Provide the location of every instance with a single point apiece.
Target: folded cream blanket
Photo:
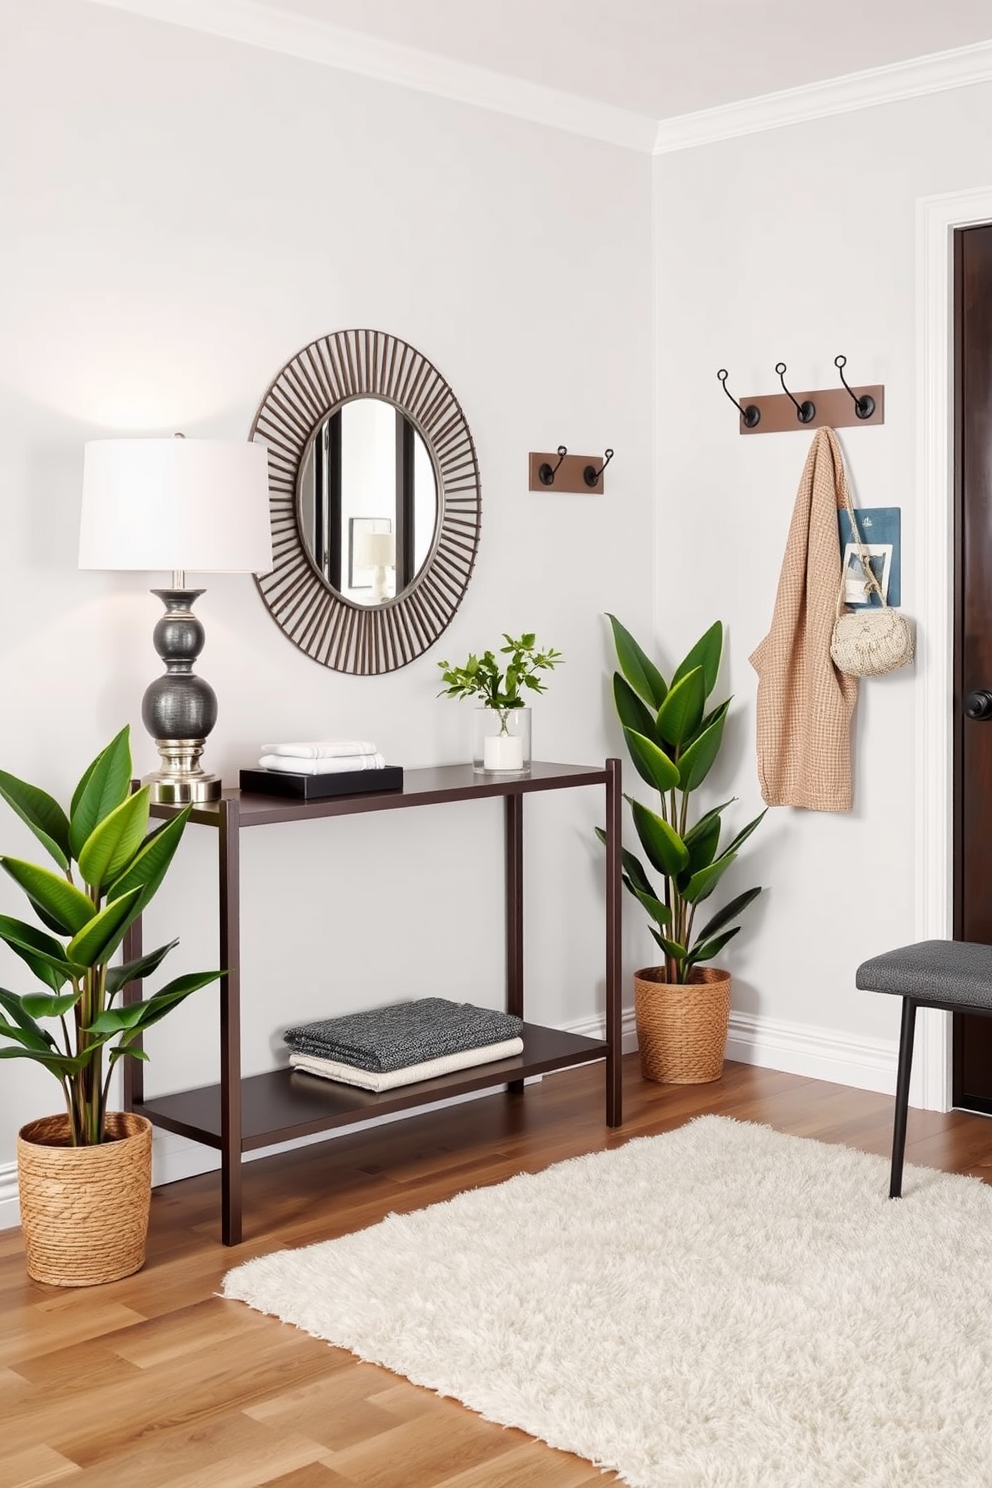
(428, 1069)
(322, 748)
(340, 766)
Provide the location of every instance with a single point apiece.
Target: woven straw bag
(869, 642)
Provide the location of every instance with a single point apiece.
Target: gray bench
(953, 975)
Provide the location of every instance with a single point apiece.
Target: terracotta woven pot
(84, 1210)
(682, 1027)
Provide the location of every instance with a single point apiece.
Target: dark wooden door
(972, 1040)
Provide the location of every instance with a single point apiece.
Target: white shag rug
(719, 1307)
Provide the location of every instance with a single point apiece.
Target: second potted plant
(682, 1005)
(501, 738)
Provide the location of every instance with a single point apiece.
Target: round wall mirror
(375, 501)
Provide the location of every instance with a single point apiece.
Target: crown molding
(257, 24)
(858, 90)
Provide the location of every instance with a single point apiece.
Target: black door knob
(978, 704)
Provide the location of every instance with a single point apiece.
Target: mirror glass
(368, 503)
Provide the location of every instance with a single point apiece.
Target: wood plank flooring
(158, 1382)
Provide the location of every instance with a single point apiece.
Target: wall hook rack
(547, 472)
(833, 408)
(864, 406)
(571, 475)
(750, 413)
(591, 475)
(805, 411)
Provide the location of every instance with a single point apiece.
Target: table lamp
(179, 504)
(377, 551)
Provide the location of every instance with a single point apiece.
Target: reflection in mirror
(368, 503)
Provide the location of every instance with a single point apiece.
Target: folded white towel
(340, 766)
(322, 749)
(347, 1074)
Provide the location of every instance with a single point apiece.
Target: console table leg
(614, 1010)
(230, 1023)
(513, 840)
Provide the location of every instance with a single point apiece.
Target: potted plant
(681, 1006)
(502, 732)
(84, 1175)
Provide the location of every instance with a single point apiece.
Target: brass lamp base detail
(181, 781)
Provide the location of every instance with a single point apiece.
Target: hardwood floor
(158, 1382)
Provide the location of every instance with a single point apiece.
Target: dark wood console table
(239, 1115)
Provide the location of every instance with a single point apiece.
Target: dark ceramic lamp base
(179, 709)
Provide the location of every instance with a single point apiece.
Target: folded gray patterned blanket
(405, 1033)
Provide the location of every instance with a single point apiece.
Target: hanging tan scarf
(804, 703)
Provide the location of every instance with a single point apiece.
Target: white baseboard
(797, 1049)
(818, 1053)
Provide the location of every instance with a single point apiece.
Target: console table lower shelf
(286, 1103)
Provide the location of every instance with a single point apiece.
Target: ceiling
(663, 58)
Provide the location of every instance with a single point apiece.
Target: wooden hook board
(834, 410)
(570, 475)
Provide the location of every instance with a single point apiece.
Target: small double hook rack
(834, 410)
(577, 468)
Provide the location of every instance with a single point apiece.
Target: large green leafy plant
(673, 739)
(108, 867)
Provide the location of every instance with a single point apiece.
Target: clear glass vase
(501, 741)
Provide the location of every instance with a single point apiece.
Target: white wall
(798, 245)
(180, 215)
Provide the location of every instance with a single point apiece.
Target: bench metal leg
(902, 1095)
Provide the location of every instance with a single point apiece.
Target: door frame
(938, 218)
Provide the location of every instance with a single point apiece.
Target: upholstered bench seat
(955, 975)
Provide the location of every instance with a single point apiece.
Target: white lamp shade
(180, 504)
(376, 550)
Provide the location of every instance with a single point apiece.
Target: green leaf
(62, 1066)
(137, 1016)
(633, 869)
(150, 863)
(132, 971)
(631, 711)
(98, 940)
(729, 912)
(711, 948)
(651, 763)
(642, 674)
(658, 911)
(42, 814)
(702, 842)
(115, 840)
(67, 908)
(745, 832)
(40, 1006)
(665, 849)
(104, 785)
(25, 1030)
(696, 762)
(706, 653)
(680, 714)
(45, 955)
(672, 948)
(702, 884)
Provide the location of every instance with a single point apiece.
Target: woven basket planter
(682, 1028)
(84, 1210)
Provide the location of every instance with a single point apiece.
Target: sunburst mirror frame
(334, 631)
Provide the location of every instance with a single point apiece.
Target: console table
(240, 1115)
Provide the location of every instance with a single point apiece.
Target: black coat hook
(751, 414)
(864, 406)
(591, 475)
(546, 474)
(806, 411)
